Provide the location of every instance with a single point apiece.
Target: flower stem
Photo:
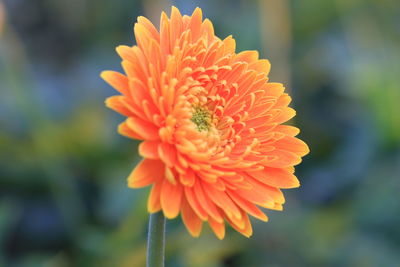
(156, 240)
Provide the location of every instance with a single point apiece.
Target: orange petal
(150, 27)
(206, 202)
(282, 159)
(177, 25)
(247, 56)
(275, 193)
(221, 199)
(170, 175)
(124, 130)
(285, 115)
(194, 203)
(255, 195)
(287, 129)
(274, 89)
(188, 178)
(272, 192)
(134, 62)
(142, 35)
(217, 227)
(117, 80)
(276, 177)
(116, 103)
(292, 144)
(261, 65)
(126, 53)
(164, 34)
(138, 91)
(275, 206)
(145, 173)
(239, 223)
(283, 101)
(192, 222)
(247, 230)
(195, 23)
(171, 196)
(153, 202)
(144, 128)
(208, 30)
(229, 45)
(167, 154)
(149, 149)
(247, 206)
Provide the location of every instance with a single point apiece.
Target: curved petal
(149, 149)
(171, 196)
(192, 222)
(145, 173)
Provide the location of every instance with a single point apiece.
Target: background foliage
(63, 194)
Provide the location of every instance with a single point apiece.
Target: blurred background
(63, 167)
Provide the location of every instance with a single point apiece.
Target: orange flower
(213, 142)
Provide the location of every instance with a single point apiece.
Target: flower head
(213, 143)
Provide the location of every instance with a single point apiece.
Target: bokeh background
(63, 167)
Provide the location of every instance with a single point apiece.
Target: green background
(63, 167)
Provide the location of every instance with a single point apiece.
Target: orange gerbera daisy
(213, 143)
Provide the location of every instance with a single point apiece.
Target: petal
(247, 56)
(247, 206)
(207, 204)
(138, 91)
(282, 159)
(276, 177)
(261, 65)
(192, 222)
(167, 154)
(164, 34)
(117, 80)
(217, 227)
(188, 178)
(273, 193)
(176, 26)
(274, 89)
(124, 130)
(195, 23)
(222, 200)
(229, 45)
(150, 27)
(149, 149)
(194, 203)
(247, 230)
(283, 101)
(287, 129)
(142, 35)
(126, 53)
(145, 173)
(153, 202)
(237, 222)
(117, 104)
(207, 29)
(144, 128)
(171, 196)
(255, 195)
(292, 144)
(285, 115)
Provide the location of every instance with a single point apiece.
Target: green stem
(156, 240)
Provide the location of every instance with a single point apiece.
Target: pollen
(202, 118)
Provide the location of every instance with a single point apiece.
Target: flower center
(202, 118)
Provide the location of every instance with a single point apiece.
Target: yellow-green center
(202, 118)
